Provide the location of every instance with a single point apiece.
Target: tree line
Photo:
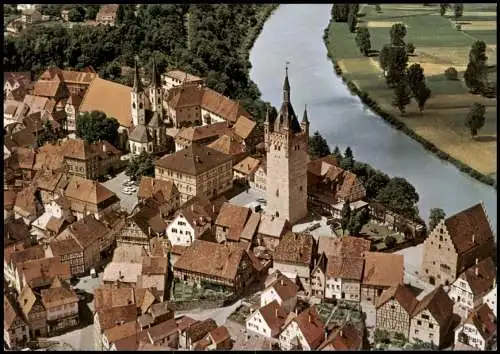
(214, 50)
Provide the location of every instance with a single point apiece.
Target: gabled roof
(244, 127)
(11, 312)
(346, 338)
(468, 225)
(295, 248)
(40, 271)
(251, 227)
(284, 287)
(272, 226)
(346, 268)
(383, 269)
(247, 165)
(198, 330)
(26, 201)
(311, 327)
(438, 304)
(402, 294)
(27, 299)
(481, 277)
(211, 259)
(102, 95)
(193, 160)
(107, 298)
(228, 145)
(196, 133)
(232, 215)
(274, 315)
(345, 247)
(140, 134)
(87, 230)
(149, 187)
(484, 320)
(148, 218)
(88, 191)
(58, 294)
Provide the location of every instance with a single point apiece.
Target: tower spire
(137, 80)
(286, 85)
(305, 118)
(154, 78)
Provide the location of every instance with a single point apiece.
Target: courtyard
(127, 202)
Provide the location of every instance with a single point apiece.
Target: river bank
(365, 85)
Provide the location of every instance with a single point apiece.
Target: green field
(439, 45)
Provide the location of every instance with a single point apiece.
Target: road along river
(294, 33)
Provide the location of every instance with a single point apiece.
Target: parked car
(93, 273)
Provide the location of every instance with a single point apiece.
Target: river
(294, 33)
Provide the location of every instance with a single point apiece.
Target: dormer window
(277, 192)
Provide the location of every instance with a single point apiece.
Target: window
(431, 325)
(300, 188)
(416, 331)
(440, 238)
(277, 192)
(174, 231)
(425, 317)
(393, 307)
(419, 322)
(439, 246)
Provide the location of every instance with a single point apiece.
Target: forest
(207, 40)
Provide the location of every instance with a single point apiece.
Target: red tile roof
(438, 304)
(311, 327)
(402, 294)
(468, 225)
(383, 269)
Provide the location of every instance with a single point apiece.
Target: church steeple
(286, 87)
(137, 80)
(154, 79)
(305, 118)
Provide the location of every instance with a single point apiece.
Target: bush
(381, 336)
(390, 241)
(451, 73)
(410, 48)
(378, 8)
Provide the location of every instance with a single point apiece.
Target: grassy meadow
(439, 45)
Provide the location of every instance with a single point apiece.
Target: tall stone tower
(286, 143)
(138, 100)
(156, 92)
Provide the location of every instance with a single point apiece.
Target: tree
(396, 60)
(363, 40)
(96, 126)
(410, 48)
(443, 8)
(384, 57)
(358, 220)
(318, 146)
(347, 163)
(352, 18)
(47, 135)
(415, 74)
(401, 95)
(140, 165)
(375, 184)
(436, 215)
(346, 216)
(381, 336)
(390, 241)
(76, 14)
(475, 118)
(399, 196)
(458, 10)
(337, 154)
(478, 52)
(397, 34)
(340, 12)
(348, 152)
(422, 94)
(472, 77)
(451, 73)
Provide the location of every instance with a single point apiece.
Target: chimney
(276, 312)
(341, 333)
(476, 270)
(192, 207)
(309, 317)
(473, 238)
(149, 230)
(477, 261)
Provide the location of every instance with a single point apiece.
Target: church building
(286, 143)
(148, 131)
